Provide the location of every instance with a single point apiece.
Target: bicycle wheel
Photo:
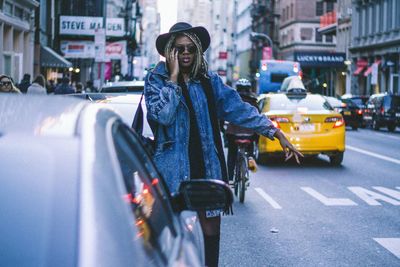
(244, 175)
(236, 177)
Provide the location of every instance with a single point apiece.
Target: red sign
(223, 55)
(266, 52)
(362, 62)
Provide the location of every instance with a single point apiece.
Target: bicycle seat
(242, 141)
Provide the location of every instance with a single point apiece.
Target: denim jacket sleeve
(162, 98)
(231, 108)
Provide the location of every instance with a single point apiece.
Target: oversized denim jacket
(167, 110)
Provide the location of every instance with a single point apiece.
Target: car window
(298, 103)
(146, 193)
(391, 102)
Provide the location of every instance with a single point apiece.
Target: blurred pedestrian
(25, 83)
(7, 85)
(90, 87)
(79, 88)
(184, 103)
(51, 86)
(38, 86)
(64, 87)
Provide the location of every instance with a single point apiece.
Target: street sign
(223, 55)
(100, 45)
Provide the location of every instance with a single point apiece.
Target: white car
(78, 189)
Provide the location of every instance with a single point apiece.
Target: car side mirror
(201, 195)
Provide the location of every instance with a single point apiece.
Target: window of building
(1, 4)
(329, 38)
(381, 14)
(318, 36)
(306, 34)
(319, 9)
(19, 12)
(329, 6)
(8, 8)
(397, 14)
(366, 21)
(287, 12)
(283, 14)
(291, 10)
(389, 14)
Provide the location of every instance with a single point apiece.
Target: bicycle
(241, 177)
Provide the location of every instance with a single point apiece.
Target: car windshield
(293, 103)
(359, 101)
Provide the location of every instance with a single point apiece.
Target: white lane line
(268, 198)
(372, 154)
(328, 201)
(391, 244)
(387, 135)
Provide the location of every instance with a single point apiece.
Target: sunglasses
(181, 48)
(5, 83)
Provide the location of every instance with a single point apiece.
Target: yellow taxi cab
(308, 121)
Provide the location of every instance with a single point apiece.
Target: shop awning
(369, 70)
(49, 58)
(358, 70)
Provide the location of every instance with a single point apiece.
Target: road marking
(390, 192)
(371, 197)
(328, 201)
(372, 154)
(391, 244)
(268, 198)
(388, 135)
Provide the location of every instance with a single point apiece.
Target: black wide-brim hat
(179, 27)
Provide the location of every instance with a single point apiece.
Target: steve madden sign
(73, 25)
(320, 59)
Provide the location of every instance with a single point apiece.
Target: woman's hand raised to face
(173, 65)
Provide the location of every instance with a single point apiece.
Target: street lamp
(259, 35)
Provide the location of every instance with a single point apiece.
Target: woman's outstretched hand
(287, 147)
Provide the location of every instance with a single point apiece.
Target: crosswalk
(391, 244)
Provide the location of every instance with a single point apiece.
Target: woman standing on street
(38, 86)
(7, 85)
(185, 102)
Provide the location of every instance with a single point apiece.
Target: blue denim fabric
(166, 106)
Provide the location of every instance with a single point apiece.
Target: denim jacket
(169, 115)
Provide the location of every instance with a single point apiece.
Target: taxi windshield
(309, 102)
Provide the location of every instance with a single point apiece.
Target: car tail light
(359, 112)
(382, 110)
(276, 120)
(338, 121)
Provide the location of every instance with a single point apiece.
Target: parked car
(308, 121)
(78, 189)
(123, 87)
(351, 113)
(361, 102)
(383, 110)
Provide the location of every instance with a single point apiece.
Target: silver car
(78, 189)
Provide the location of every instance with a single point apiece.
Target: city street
(318, 215)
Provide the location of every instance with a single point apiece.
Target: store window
(318, 36)
(306, 34)
(8, 8)
(319, 9)
(329, 6)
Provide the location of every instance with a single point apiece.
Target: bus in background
(273, 72)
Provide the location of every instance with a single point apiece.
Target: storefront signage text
(74, 25)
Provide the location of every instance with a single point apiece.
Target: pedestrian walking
(25, 83)
(7, 85)
(38, 86)
(64, 87)
(184, 103)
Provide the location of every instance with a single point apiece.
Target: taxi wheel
(336, 159)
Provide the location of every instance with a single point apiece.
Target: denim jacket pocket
(163, 146)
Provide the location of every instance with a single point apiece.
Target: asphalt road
(318, 215)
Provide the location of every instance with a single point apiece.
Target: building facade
(151, 29)
(242, 30)
(17, 37)
(375, 46)
(301, 40)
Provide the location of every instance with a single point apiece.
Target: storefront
(78, 46)
(323, 72)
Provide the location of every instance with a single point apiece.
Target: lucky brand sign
(76, 25)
